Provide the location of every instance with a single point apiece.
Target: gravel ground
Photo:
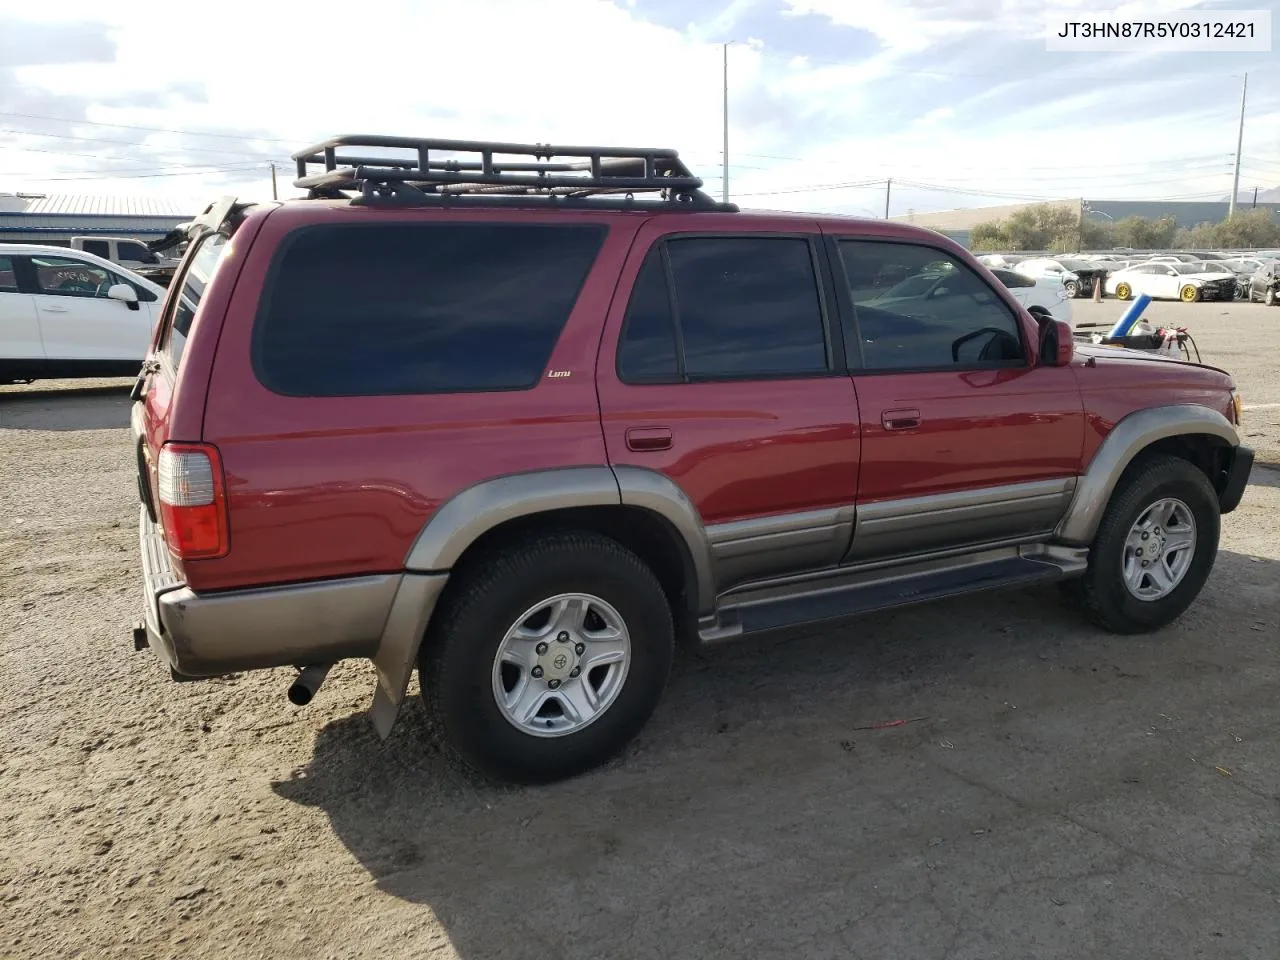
(1060, 793)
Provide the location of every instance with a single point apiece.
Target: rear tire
(1116, 592)
(489, 658)
(1072, 287)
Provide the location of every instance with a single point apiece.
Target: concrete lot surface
(1060, 793)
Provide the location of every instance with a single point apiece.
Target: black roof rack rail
(438, 171)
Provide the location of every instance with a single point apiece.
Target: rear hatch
(170, 391)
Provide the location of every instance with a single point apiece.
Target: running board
(844, 594)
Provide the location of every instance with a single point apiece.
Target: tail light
(193, 500)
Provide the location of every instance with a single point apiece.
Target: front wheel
(548, 659)
(1072, 287)
(1270, 299)
(1190, 293)
(1154, 550)
(1123, 291)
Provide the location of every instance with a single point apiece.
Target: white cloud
(592, 71)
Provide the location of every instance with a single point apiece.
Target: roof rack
(439, 171)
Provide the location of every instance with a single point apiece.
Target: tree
(1141, 233)
(1201, 236)
(989, 237)
(1252, 228)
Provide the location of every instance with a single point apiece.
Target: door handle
(55, 309)
(649, 438)
(907, 419)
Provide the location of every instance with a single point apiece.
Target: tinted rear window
(418, 308)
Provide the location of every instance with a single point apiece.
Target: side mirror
(1057, 343)
(125, 294)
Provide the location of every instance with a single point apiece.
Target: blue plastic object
(1126, 322)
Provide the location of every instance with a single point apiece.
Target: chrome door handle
(649, 438)
(907, 419)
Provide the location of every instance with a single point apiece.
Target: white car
(1171, 281)
(1047, 293)
(67, 313)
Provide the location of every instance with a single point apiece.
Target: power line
(40, 178)
(129, 126)
(126, 143)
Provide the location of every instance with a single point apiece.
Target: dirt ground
(1061, 793)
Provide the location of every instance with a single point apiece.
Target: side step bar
(844, 594)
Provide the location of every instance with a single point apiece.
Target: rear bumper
(211, 634)
(1237, 479)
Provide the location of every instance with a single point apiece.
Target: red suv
(523, 416)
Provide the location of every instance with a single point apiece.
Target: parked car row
(1185, 276)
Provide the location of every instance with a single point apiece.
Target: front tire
(1270, 299)
(1123, 291)
(1154, 549)
(549, 658)
(1189, 293)
(1072, 287)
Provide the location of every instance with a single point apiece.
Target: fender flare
(473, 512)
(1133, 434)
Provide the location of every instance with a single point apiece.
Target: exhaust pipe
(306, 683)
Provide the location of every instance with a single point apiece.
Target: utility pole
(274, 194)
(888, 185)
(1235, 180)
(1255, 199)
(724, 173)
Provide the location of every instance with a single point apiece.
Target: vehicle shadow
(764, 812)
(76, 408)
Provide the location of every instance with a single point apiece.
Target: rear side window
(99, 248)
(8, 279)
(200, 268)
(744, 308)
(418, 308)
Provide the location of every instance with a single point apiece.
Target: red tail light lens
(193, 500)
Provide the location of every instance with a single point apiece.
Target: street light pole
(724, 172)
(1235, 180)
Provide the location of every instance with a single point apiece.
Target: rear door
(722, 368)
(19, 321)
(78, 321)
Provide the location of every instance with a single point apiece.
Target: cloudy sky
(956, 100)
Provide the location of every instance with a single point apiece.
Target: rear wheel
(1189, 293)
(1154, 550)
(550, 658)
(1072, 287)
(1123, 291)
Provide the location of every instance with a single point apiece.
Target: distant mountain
(1269, 195)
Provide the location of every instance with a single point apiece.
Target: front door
(721, 368)
(964, 441)
(78, 321)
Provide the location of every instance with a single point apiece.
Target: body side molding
(1125, 441)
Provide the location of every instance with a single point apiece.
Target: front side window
(367, 310)
(134, 251)
(68, 277)
(959, 322)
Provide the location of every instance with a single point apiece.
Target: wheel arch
(1191, 431)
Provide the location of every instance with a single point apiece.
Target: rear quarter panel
(340, 486)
